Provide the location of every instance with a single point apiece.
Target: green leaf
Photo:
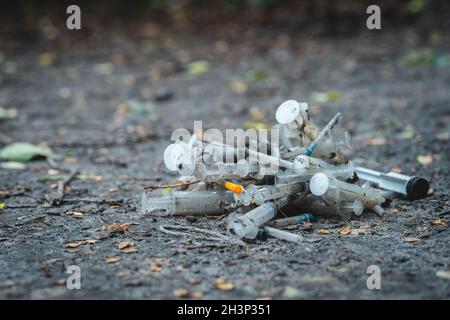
(7, 113)
(292, 293)
(324, 97)
(256, 75)
(23, 151)
(136, 106)
(198, 67)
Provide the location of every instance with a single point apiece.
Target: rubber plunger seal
(417, 187)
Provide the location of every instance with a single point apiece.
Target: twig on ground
(56, 198)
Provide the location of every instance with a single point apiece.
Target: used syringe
(306, 217)
(322, 134)
(185, 202)
(414, 187)
(332, 189)
(258, 195)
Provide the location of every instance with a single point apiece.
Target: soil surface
(75, 93)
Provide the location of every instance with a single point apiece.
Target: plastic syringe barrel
(322, 134)
(414, 187)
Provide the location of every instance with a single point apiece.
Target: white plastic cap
(287, 111)
(319, 184)
(174, 154)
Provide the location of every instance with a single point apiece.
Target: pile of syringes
(306, 168)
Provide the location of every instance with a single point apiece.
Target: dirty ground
(107, 100)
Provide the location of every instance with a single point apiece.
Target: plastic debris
(251, 182)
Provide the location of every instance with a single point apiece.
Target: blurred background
(107, 97)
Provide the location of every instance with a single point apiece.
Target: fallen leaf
(198, 67)
(74, 245)
(430, 191)
(439, 222)
(397, 170)
(292, 293)
(130, 250)
(78, 215)
(239, 86)
(111, 260)
(443, 274)
(422, 229)
(256, 125)
(411, 240)
(425, 160)
(12, 165)
(89, 176)
(256, 113)
(223, 285)
(323, 97)
(124, 245)
(116, 227)
(197, 294)
(158, 263)
(256, 75)
(323, 231)
(7, 113)
(23, 151)
(379, 141)
(52, 172)
(180, 293)
(345, 230)
(135, 106)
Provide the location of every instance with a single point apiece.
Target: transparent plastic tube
(323, 134)
(334, 191)
(283, 235)
(333, 144)
(306, 217)
(247, 225)
(258, 195)
(341, 172)
(185, 202)
(414, 187)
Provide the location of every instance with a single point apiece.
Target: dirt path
(71, 94)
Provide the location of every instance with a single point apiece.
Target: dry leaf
(443, 274)
(256, 114)
(180, 293)
(430, 191)
(375, 141)
(395, 210)
(158, 263)
(223, 285)
(397, 170)
(439, 222)
(411, 240)
(345, 230)
(425, 160)
(78, 215)
(52, 172)
(323, 231)
(197, 294)
(422, 229)
(111, 260)
(124, 245)
(130, 250)
(115, 227)
(74, 245)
